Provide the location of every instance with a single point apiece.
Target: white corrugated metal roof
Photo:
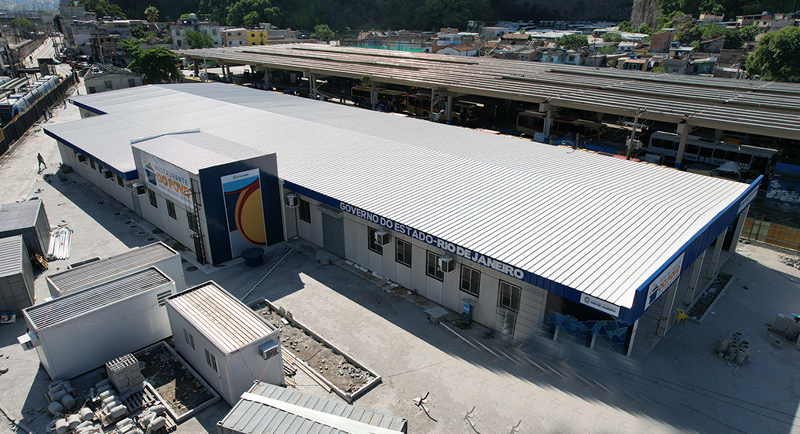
(221, 318)
(270, 409)
(600, 225)
(11, 255)
(19, 215)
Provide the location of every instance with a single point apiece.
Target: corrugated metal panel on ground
(78, 303)
(599, 225)
(250, 417)
(11, 255)
(224, 320)
(68, 280)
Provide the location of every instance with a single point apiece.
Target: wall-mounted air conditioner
(446, 264)
(267, 350)
(28, 341)
(108, 174)
(292, 201)
(381, 238)
(139, 189)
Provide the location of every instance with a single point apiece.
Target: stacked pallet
(124, 373)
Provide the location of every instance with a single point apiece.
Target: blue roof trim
(692, 249)
(130, 175)
(87, 107)
(700, 241)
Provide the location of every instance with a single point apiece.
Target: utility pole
(634, 126)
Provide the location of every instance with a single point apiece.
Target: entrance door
(333, 234)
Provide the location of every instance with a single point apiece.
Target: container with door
(16, 276)
(28, 219)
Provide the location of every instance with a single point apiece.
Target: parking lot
(475, 384)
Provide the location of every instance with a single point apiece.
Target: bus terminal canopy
(570, 222)
(754, 107)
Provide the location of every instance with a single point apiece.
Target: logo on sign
(663, 281)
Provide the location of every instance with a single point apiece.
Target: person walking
(41, 161)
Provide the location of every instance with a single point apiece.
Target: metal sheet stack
(124, 373)
(59, 243)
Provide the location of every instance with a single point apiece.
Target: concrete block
(781, 323)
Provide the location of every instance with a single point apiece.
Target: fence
(20, 124)
(772, 233)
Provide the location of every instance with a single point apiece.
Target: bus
(462, 113)
(698, 149)
(388, 100)
(531, 122)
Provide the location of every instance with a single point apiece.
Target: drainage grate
(151, 239)
(128, 222)
(134, 226)
(117, 213)
(141, 233)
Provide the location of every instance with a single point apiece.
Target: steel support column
(738, 231)
(712, 267)
(683, 130)
(694, 279)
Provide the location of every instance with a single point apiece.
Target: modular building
(29, 219)
(16, 276)
(224, 340)
(82, 330)
(529, 238)
(267, 409)
(158, 255)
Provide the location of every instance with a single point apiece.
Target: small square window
(120, 181)
(432, 266)
(509, 296)
(470, 280)
(189, 338)
(305, 211)
(131, 82)
(375, 247)
(152, 196)
(91, 164)
(403, 252)
(100, 168)
(171, 209)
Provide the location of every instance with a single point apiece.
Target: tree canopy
(23, 24)
(103, 9)
(775, 57)
(323, 32)
(156, 65)
(152, 13)
(573, 41)
(199, 39)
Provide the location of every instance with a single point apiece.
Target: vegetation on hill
(354, 15)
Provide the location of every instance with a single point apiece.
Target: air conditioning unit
(81, 158)
(636, 144)
(292, 201)
(267, 350)
(108, 174)
(654, 158)
(28, 341)
(139, 188)
(381, 238)
(446, 264)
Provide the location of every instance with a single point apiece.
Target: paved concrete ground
(681, 386)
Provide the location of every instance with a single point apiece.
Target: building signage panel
(433, 241)
(601, 305)
(747, 200)
(663, 281)
(167, 178)
(243, 210)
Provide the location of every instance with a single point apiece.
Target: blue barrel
(253, 257)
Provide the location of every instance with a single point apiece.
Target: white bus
(749, 158)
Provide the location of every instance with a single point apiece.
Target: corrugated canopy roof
(222, 319)
(756, 107)
(599, 225)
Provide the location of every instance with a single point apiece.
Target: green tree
(644, 28)
(625, 26)
(573, 41)
(57, 23)
(252, 11)
(141, 32)
(775, 57)
(612, 37)
(23, 24)
(608, 49)
(96, 6)
(114, 11)
(199, 39)
(156, 65)
(252, 20)
(658, 70)
(152, 13)
(323, 32)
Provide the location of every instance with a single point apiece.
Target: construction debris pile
(790, 261)
(733, 349)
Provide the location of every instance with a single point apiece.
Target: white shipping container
(82, 330)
